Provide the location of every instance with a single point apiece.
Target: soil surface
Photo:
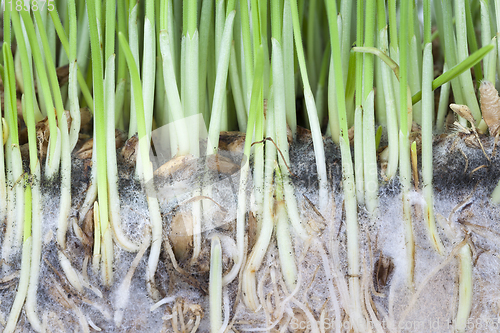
(463, 181)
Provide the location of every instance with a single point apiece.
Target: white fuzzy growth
(123, 291)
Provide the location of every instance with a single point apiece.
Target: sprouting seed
(490, 106)
(464, 112)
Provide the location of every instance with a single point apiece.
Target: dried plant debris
(490, 106)
(464, 112)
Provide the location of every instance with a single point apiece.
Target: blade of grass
(471, 37)
(404, 146)
(468, 90)
(15, 212)
(255, 258)
(358, 112)
(312, 113)
(220, 86)
(443, 107)
(64, 42)
(100, 138)
(147, 172)
(74, 105)
(52, 165)
(390, 100)
(242, 189)
(289, 69)
(348, 174)
(427, 154)
(455, 71)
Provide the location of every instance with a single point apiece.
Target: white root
(93, 325)
(225, 323)
(263, 301)
(309, 315)
(258, 252)
(284, 306)
(197, 218)
(22, 289)
(352, 230)
(165, 300)
(123, 291)
(240, 222)
(422, 285)
(330, 277)
(277, 301)
(196, 324)
(368, 303)
(65, 204)
(465, 289)
(215, 288)
(96, 257)
(285, 248)
(155, 218)
(78, 312)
